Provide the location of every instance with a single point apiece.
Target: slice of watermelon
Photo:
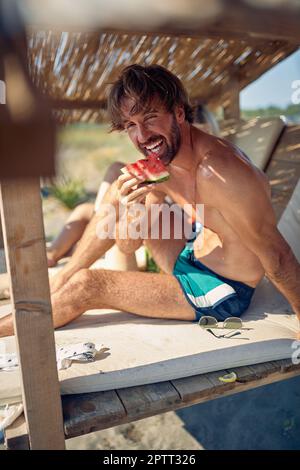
(150, 168)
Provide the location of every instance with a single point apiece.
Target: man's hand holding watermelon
(140, 183)
(141, 178)
(133, 190)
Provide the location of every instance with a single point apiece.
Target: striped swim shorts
(208, 292)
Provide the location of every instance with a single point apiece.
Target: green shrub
(69, 192)
(151, 265)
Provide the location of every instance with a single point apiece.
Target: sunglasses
(231, 323)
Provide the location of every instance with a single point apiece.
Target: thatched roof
(215, 47)
(71, 66)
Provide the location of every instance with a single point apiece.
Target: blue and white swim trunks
(207, 292)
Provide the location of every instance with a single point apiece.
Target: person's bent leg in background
(73, 229)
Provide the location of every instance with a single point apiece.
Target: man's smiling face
(152, 130)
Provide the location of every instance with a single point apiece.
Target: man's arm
(141, 219)
(245, 204)
(125, 243)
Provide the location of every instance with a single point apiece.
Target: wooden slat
(78, 104)
(91, 411)
(244, 374)
(283, 175)
(283, 169)
(286, 365)
(201, 388)
(256, 19)
(289, 145)
(273, 367)
(220, 386)
(192, 388)
(1, 237)
(16, 435)
(94, 411)
(24, 239)
(280, 199)
(148, 400)
(232, 104)
(264, 369)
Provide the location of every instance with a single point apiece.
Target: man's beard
(171, 148)
(175, 139)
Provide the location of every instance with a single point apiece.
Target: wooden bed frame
(90, 412)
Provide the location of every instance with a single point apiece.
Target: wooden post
(24, 241)
(1, 237)
(239, 19)
(2, 102)
(231, 92)
(232, 105)
(24, 139)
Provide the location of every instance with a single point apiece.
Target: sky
(274, 87)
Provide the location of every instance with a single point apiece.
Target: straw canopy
(75, 68)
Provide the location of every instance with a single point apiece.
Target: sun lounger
(275, 149)
(149, 366)
(257, 138)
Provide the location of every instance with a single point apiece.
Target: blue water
(263, 418)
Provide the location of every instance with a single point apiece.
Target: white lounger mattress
(137, 350)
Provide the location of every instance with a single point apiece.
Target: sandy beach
(162, 432)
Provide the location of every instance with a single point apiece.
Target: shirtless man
(241, 240)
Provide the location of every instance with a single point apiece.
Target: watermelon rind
(139, 167)
(157, 180)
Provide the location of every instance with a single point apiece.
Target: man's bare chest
(186, 194)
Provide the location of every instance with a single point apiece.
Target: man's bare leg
(126, 291)
(145, 294)
(129, 291)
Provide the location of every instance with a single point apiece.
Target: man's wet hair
(143, 84)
